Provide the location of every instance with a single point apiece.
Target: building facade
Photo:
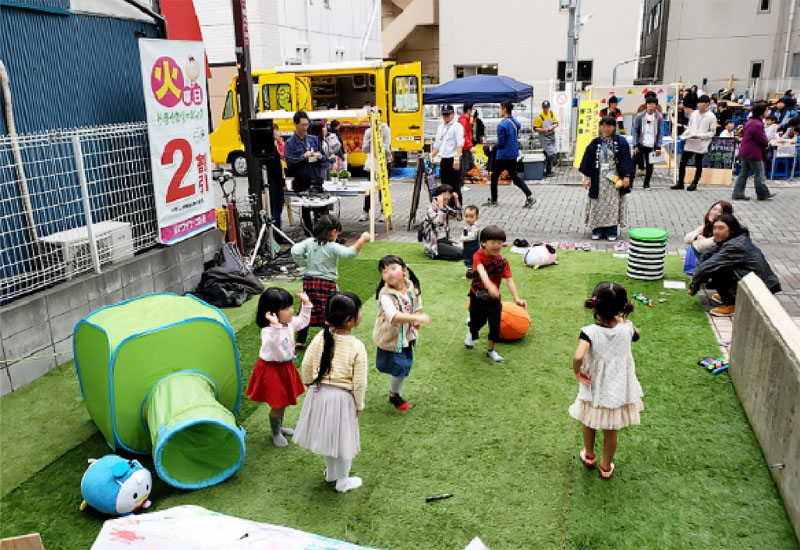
(287, 32)
(709, 43)
(528, 40)
(294, 32)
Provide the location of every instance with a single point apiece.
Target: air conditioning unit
(70, 248)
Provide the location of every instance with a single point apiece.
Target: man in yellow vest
(545, 125)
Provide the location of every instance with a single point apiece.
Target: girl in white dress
(609, 395)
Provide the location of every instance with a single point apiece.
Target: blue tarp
(480, 88)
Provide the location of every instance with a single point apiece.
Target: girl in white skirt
(335, 371)
(609, 395)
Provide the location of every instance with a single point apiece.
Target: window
(656, 16)
(583, 77)
(227, 111)
(405, 94)
(755, 69)
(281, 94)
(796, 65)
(471, 70)
(763, 6)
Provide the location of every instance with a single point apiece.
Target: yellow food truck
(395, 89)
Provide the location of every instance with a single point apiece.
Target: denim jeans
(756, 167)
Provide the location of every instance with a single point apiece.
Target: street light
(631, 60)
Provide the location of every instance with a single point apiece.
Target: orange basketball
(514, 322)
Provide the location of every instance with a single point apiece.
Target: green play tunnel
(161, 373)
(195, 439)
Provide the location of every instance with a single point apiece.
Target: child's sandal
(588, 461)
(606, 474)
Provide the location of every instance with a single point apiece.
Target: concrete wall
(527, 39)
(765, 370)
(41, 325)
(422, 46)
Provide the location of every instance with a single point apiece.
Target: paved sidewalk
(558, 216)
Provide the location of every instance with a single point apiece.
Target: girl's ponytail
(414, 279)
(327, 355)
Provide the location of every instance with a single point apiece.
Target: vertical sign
(561, 103)
(174, 83)
(588, 127)
(380, 162)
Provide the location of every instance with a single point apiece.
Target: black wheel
(238, 164)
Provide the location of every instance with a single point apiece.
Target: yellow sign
(381, 171)
(588, 127)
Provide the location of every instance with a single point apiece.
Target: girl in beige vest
(396, 327)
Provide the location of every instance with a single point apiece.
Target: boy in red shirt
(484, 305)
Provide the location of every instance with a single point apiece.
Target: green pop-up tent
(161, 373)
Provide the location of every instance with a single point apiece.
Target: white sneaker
(468, 340)
(363, 217)
(595, 237)
(494, 356)
(348, 484)
(611, 239)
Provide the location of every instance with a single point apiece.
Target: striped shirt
(348, 366)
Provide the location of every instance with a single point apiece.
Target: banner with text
(588, 127)
(561, 104)
(174, 82)
(382, 172)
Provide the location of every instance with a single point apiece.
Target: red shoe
(588, 460)
(399, 403)
(606, 474)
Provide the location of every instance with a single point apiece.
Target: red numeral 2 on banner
(175, 191)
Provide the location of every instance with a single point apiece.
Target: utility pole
(246, 105)
(573, 35)
(571, 69)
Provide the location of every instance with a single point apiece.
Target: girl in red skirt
(275, 380)
(320, 254)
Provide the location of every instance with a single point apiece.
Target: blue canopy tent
(480, 88)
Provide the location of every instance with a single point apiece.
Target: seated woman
(436, 227)
(701, 240)
(733, 256)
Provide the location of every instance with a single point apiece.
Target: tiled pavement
(558, 213)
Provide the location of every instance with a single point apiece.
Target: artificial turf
(498, 437)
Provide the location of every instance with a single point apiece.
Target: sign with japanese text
(381, 171)
(588, 127)
(174, 83)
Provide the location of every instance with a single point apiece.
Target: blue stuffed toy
(116, 486)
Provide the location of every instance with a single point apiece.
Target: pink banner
(180, 229)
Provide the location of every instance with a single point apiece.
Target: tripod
(268, 227)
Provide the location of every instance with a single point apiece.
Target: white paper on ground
(476, 544)
(678, 285)
(620, 255)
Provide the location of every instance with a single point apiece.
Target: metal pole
(246, 105)
(87, 209)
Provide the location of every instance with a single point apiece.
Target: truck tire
(238, 164)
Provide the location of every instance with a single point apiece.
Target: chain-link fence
(72, 201)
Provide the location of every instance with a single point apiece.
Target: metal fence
(72, 201)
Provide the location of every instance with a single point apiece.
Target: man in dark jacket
(733, 257)
(751, 155)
